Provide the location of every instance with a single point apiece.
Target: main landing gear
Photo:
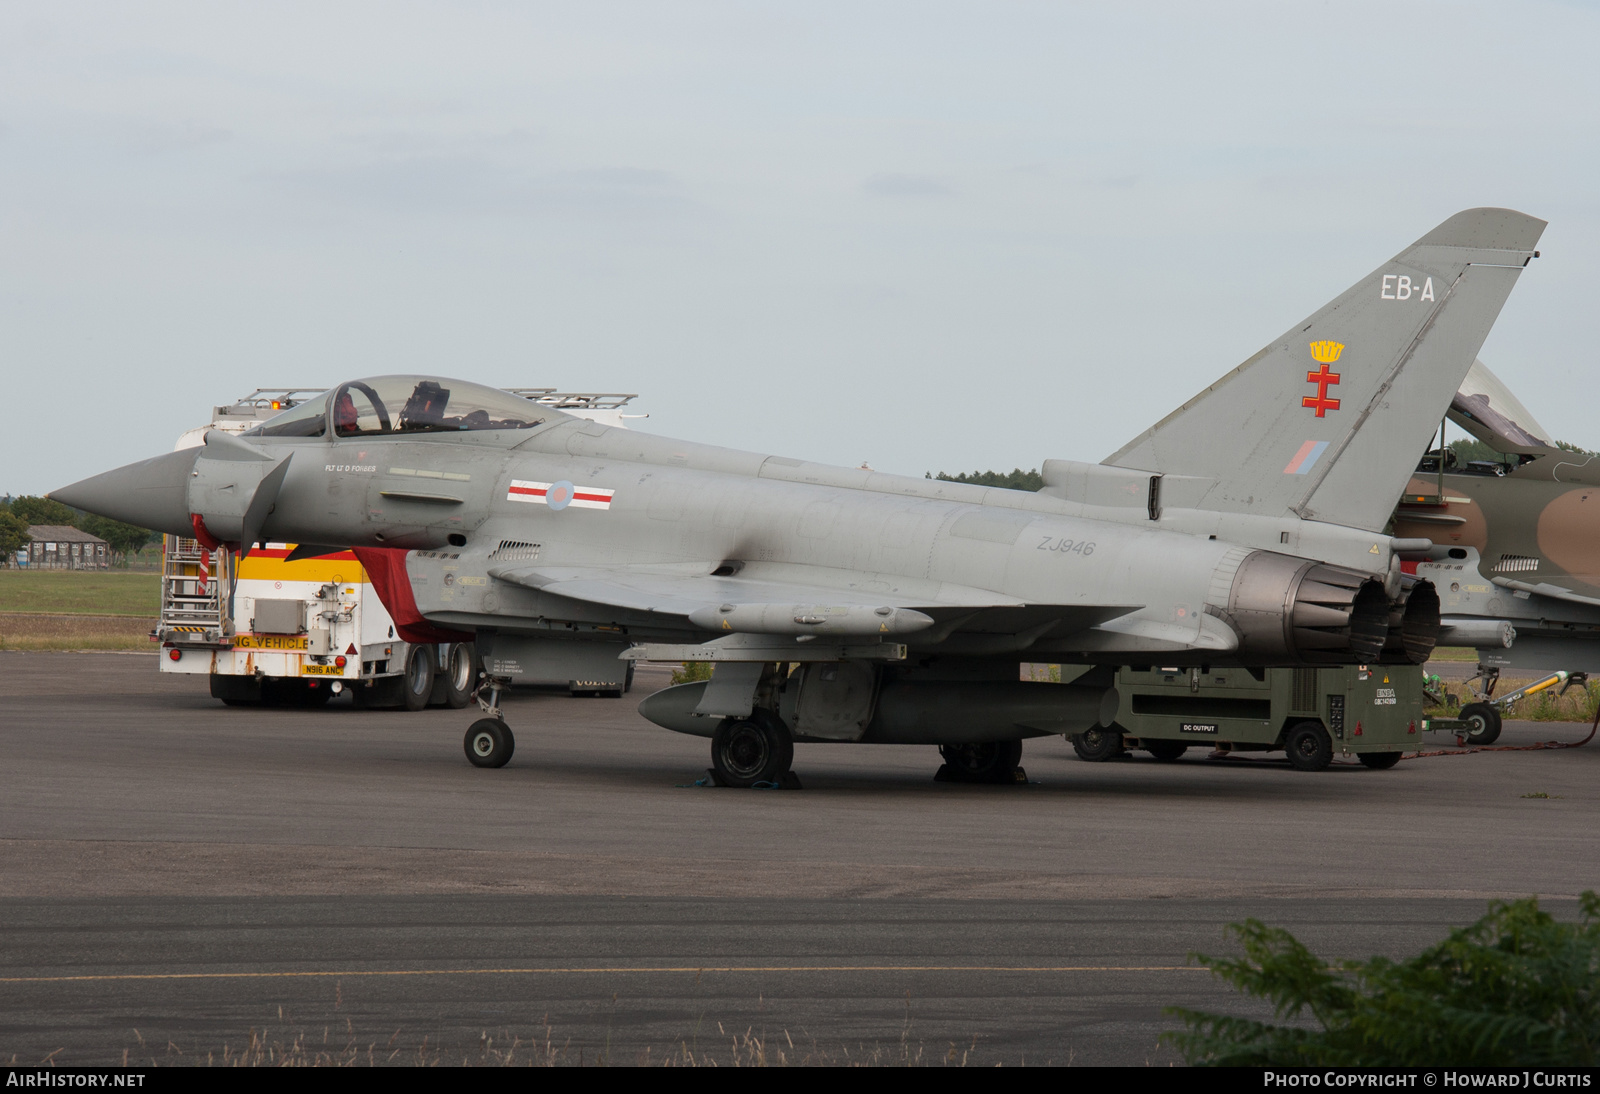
(990, 762)
(753, 751)
(489, 742)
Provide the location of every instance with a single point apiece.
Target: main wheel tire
(416, 685)
(1099, 743)
(1379, 761)
(1165, 751)
(989, 762)
(1483, 723)
(747, 751)
(1309, 747)
(489, 743)
(460, 674)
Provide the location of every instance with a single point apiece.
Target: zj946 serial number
(1067, 546)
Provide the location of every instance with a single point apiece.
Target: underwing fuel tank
(931, 712)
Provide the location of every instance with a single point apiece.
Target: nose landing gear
(489, 742)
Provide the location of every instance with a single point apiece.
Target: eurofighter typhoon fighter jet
(842, 604)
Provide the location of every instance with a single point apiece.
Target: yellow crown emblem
(1326, 352)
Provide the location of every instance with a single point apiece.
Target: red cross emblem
(1320, 401)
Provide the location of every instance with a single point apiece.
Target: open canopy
(384, 405)
(1485, 407)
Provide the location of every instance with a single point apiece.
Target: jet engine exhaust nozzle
(1290, 611)
(1413, 624)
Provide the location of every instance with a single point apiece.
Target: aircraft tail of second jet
(1327, 422)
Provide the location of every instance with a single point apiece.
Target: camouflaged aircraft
(1516, 555)
(843, 604)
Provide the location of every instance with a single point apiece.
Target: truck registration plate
(321, 670)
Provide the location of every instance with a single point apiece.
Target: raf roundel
(560, 495)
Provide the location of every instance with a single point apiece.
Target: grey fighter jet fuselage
(1242, 529)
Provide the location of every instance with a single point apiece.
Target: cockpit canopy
(390, 405)
(1485, 407)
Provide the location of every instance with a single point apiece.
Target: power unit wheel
(1309, 746)
(1379, 761)
(416, 683)
(1166, 751)
(1099, 743)
(1483, 723)
(990, 762)
(747, 751)
(460, 674)
(489, 743)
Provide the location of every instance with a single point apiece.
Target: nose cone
(151, 493)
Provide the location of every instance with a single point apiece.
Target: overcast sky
(926, 237)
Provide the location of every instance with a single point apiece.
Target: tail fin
(1328, 421)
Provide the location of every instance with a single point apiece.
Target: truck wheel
(460, 674)
(489, 743)
(274, 693)
(990, 762)
(747, 751)
(236, 691)
(1309, 746)
(1379, 761)
(1483, 723)
(416, 685)
(1165, 751)
(1099, 743)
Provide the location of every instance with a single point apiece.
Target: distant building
(59, 547)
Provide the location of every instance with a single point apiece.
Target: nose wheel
(489, 742)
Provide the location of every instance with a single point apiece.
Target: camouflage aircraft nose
(152, 493)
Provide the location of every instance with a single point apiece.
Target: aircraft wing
(798, 600)
(1544, 588)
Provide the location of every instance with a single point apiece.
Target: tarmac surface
(176, 876)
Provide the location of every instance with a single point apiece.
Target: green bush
(692, 671)
(1515, 989)
(1015, 479)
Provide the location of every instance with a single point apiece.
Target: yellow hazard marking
(726, 625)
(592, 970)
(321, 670)
(1326, 352)
(269, 642)
(1373, 549)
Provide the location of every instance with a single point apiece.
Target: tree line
(17, 514)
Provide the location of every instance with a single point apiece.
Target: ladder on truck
(194, 592)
